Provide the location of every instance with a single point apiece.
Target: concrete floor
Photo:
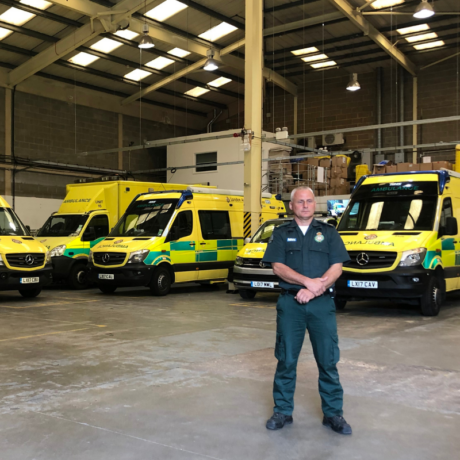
(189, 377)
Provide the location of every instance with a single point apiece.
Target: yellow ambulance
(87, 214)
(178, 236)
(25, 263)
(401, 233)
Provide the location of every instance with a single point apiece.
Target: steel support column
(253, 75)
(414, 116)
(120, 140)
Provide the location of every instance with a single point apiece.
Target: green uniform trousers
(293, 319)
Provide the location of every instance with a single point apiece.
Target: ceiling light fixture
(146, 40)
(83, 59)
(310, 50)
(217, 32)
(165, 10)
(106, 45)
(159, 63)
(424, 10)
(219, 82)
(353, 84)
(196, 92)
(128, 34)
(378, 4)
(319, 65)
(413, 29)
(419, 38)
(179, 52)
(137, 75)
(316, 57)
(211, 64)
(425, 46)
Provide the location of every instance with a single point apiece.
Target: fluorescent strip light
(217, 32)
(425, 46)
(4, 33)
(16, 17)
(386, 3)
(413, 29)
(106, 45)
(39, 4)
(165, 10)
(128, 34)
(179, 52)
(419, 38)
(323, 64)
(196, 92)
(137, 75)
(317, 57)
(159, 63)
(219, 82)
(310, 50)
(83, 59)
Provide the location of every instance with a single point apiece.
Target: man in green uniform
(307, 256)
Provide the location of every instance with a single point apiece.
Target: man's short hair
(302, 187)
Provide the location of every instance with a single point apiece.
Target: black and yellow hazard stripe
(247, 225)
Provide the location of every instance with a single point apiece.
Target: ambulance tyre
(340, 304)
(78, 278)
(107, 288)
(161, 281)
(247, 294)
(30, 293)
(430, 303)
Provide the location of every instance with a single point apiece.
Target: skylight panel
(318, 65)
(217, 32)
(128, 34)
(165, 10)
(159, 63)
(197, 91)
(83, 59)
(4, 33)
(221, 81)
(39, 4)
(179, 52)
(425, 46)
(310, 50)
(419, 38)
(413, 29)
(317, 57)
(16, 17)
(106, 45)
(386, 3)
(137, 75)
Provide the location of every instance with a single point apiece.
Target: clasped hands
(313, 288)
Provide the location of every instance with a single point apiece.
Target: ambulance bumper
(402, 283)
(243, 277)
(127, 276)
(10, 280)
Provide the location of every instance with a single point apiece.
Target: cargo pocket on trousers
(280, 350)
(335, 352)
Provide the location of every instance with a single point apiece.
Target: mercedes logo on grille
(105, 258)
(29, 259)
(362, 258)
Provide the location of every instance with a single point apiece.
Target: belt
(330, 292)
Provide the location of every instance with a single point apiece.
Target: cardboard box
(343, 189)
(405, 167)
(320, 192)
(391, 168)
(338, 182)
(338, 172)
(313, 161)
(339, 162)
(426, 166)
(379, 169)
(442, 164)
(325, 163)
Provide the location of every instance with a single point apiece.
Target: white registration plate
(262, 284)
(363, 284)
(103, 276)
(35, 279)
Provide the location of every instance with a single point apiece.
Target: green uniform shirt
(311, 254)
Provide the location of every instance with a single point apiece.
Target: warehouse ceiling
(77, 41)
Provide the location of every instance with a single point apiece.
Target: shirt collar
(313, 223)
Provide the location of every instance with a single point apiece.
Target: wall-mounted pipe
(216, 116)
(379, 105)
(401, 106)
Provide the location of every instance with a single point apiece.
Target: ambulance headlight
(412, 257)
(90, 256)
(1, 262)
(239, 261)
(137, 257)
(48, 257)
(58, 251)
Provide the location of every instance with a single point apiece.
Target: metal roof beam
(287, 5)
(359, 21)
(213, 14)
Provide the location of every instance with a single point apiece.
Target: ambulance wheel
(430, 303)
(340, 304)
(107, 289)
(161, 281)
(30, 293)
(78, 278)
(247, 294)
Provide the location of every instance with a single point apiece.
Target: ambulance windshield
(265, 231)
(145, 218)
(63, 225)
(10, 224)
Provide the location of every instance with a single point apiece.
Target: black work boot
(278, 420)
(338, 424)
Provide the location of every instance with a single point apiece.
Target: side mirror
(173, 235)
(451, 227)
(247, 240)
(28, 228)
(89, 235)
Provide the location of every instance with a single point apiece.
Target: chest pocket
(294, 254)
(318, 257)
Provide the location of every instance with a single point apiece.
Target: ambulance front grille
(26, 260)
(369, 260)
(254, 263)
(109, 258)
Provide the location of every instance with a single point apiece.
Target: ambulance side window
(182, 226)
(446, 211)
(215, 225)
(100, 224)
